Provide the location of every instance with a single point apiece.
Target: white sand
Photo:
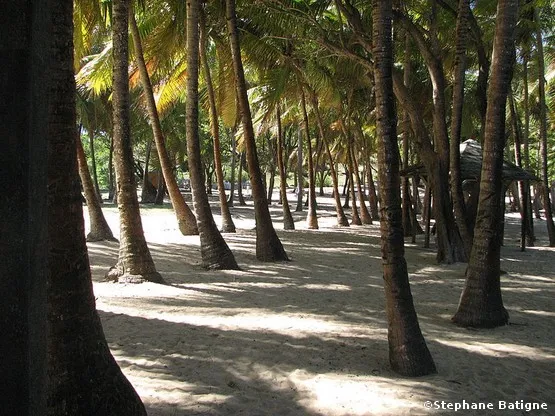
(309, 337)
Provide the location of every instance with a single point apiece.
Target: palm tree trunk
(214, 250)
(227, 222)
(93, 167)
(84, 378)
(100, 230)
(312, 217)
(481, 304)
(185, 217)
(233, 163)
(342, 220)
(25, 53)
(135, 263)
(408, 353)
(355, 220)
(268, 244)
(240, 195)
(456, 122)
(372, 195)
(288, 223)
(365, 216)
(148, 191)
(543, 133)
(300, 175)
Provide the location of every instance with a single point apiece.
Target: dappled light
(309, 337)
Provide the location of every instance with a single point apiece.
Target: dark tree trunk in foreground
(213, 249)
(227, 222)
(185, 217)
(24, 78)
(408, 353)
(135, 263)
(481, 304)
(268, 244)
(288, 223)
(84, 378)
(100, 230)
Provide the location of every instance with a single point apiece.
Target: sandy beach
(309, 337)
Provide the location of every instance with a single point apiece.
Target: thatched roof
(471, 165)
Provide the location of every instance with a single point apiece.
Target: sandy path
(309, 337)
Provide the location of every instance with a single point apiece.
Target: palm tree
(213, 248)
(99, 228)
(288, 223)
(311, 218)
(408, 353)
(185, 217)
(543, 132)
(135, 263)
(24, 82)
(227, 222)
(481, 304)
(84, 378)
(268, 244)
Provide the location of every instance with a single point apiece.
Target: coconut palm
(135, 262)
(84, 378)
(213, 248)
(481, 304)
(408, 353)
(268, 244)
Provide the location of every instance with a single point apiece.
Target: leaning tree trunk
(100, 230)
(185, 217)
(84, 378)
(355, 220)
(214, 250)
(227, 222)
(268, 244)
(312, 217)
(408, 353)
(288, 223)
(543, 133)
(342, 220)
(481, 304)
(300, 177)
(135, 263)
(148, 193)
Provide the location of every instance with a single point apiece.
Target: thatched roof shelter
(471, 166)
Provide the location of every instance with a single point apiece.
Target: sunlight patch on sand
(340, 394)
(500, 350)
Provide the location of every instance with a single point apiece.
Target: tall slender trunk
(99, 228)
(543, 133)
(148, 191)
(84, 378)
(227, 222)
(355, 220)
(372, 195)
(214, 250)
(408, 353)
(240, 195)
(481, 304)
(268, 244)
(300, 176)
(312, 217)
(525, 140)
(288, 223)
(342, 220)
(233, 163)
(457, 196)
(185, 217)
(93, 166)
(135, 263)
(405, 193)
(111, 180)
(365, 216)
